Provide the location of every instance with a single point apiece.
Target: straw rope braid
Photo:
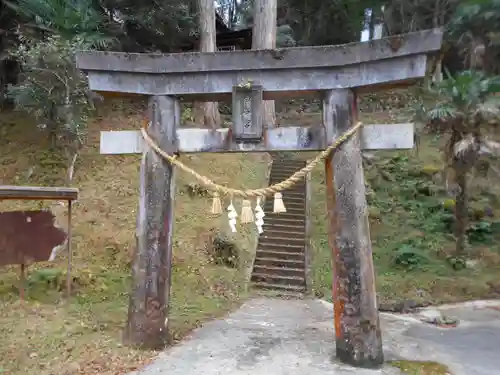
(253, 193)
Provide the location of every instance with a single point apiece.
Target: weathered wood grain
(311, 94)
(247, 113)
(38, 192)
(357, 327)
(421, 42)
(147, 325)
(215, 85)
(373, 137)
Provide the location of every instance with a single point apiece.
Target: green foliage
(413, 194)
(327, 22)
(51, 87)
(464, 102)
(48, 277)
(420, 367)
(480, 232)
(483, 232)
(413, 236)
(464, 108)
(430, 221)
(68, 18)
(475, 18)
(475, 26)
(158, 25)
(284, 36)
(411, 256)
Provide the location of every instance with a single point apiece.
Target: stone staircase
(280, 261)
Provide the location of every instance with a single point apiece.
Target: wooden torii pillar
(336, 73)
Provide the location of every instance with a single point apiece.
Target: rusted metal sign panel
(29, 236)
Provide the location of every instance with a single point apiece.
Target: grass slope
(46, 336)
(411, 233)
(421, 368)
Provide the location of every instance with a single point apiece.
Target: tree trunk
(461, 214)
(207, 113)
(371, 25)
(437, 74)
(3, 83)
(264, 37)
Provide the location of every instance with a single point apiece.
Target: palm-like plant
(67, 18)
(466, 109)
(478, 22)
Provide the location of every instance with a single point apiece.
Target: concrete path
(291, 337)
(469, 349)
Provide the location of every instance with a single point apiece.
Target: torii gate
(335, 72)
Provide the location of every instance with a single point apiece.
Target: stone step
(295, 197)
(281, 293)
(295, 188)
(293, 214)
(284, 220)
(283, 231)
(290, 212)
(272, 219)
(295, 193)
(277, 254)
(279, 287)
(273, 226)
(285, 175)
(281, 176)
(290, 193)
(278, 279)
(279, 271)
(293, 204)
(282, 239)
(298, 198)
(295, 200)
(277, 262)
(271, 244)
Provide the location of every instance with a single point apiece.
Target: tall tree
(264, 37)
(466, 109)
(207, 112)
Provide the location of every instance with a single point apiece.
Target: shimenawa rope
(253, 193)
